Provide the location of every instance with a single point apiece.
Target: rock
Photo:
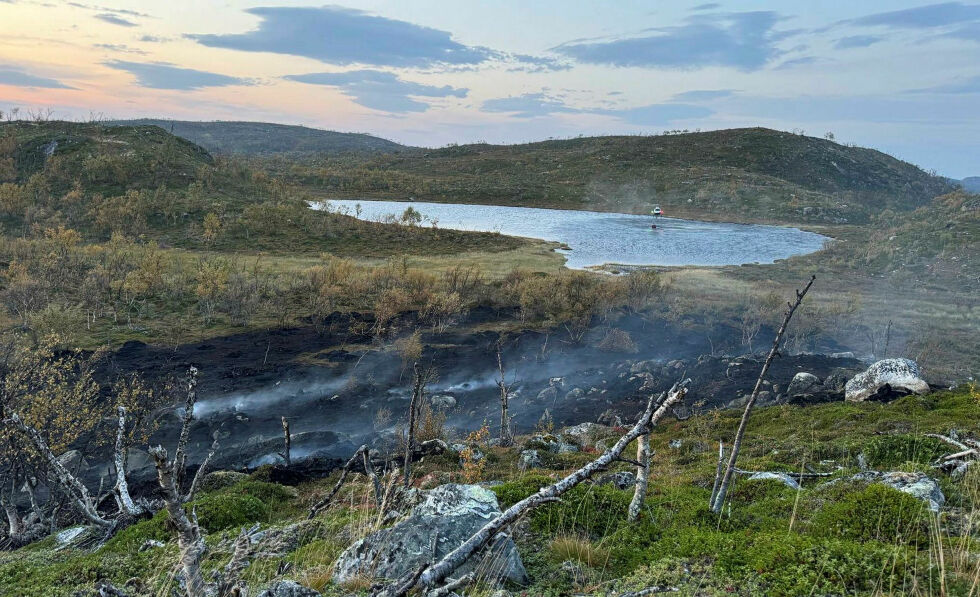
(804, 383)
(575, 394)
(841, 355)
(447, 516)
(886, 379)
(645, 367)
(72, 460)
(151, 544)
(137, 460)
(836, 381)
(620, 480)
(917, 485)
(585, 434)
(781, 477)
(288, 588)
(610, 418)
(574, 572)
(548, 394)
(529, 459)
(675, 444)
(443, 402)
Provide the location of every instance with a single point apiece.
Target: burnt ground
(338, 395)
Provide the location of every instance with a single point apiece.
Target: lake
(598, 238)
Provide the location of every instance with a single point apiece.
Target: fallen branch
(433, 575)
(726, 479)
(358, 455)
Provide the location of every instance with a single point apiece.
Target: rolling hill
(263, 138)
(971, 183)
(752, 174)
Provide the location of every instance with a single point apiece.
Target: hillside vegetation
(264, 138)
(739, 174)
(833, 536)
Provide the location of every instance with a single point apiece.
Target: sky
(899, 76)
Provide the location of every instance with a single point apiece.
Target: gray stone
(288, 588)
(529, 459)
(447, 516)
(918, 485)
(585, 434)
(443, 402)
(836, 381)
(884, 378)
(548, 394)
(804, 383)
(619, 480)
(781, 477)
(574, 394)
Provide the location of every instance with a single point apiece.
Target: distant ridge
(264, 138)
(971, 183)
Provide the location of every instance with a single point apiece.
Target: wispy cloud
(745, 40)
(114, 19)
(953, 20)
(970, 85)
(380, 90)
(857, 41)
(122, 48)
(534, 105)
(163, 75)
(345, 36)
(16, 77)
(699, 95)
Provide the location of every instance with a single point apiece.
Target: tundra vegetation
(117, 233)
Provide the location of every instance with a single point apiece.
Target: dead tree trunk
(506, 435)
(189, 537)
(642, 477)
(433, 575)
(286, 441)
(721, 462)
(351, 463)
(719, 499)
(74, 488)
(417, 389)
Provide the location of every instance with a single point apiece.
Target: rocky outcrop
(529, 459)
(886, 379)
(446, 517)
(804, 383)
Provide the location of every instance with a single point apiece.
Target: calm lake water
(598, 238)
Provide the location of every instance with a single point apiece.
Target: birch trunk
(642, 477)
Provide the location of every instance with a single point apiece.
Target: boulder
(443, 402)
(549, 443)
(610, 418)
(548, 394)
(836, 381)
(619, 480)
(288, 588)
(585, 434)
(529, 459)
(917, 485)
(574, 394)
(804, 383)
(886, 379)
(447, 516)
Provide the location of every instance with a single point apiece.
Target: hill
(263, 138)
(753, 174)
(971, 183)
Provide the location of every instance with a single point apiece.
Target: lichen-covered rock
(574, 394)
(885, 379)
(447, 516)
(585, 434)
(288, 588)
(619, 480)
(529, 459)
(549, 394)
(917, 485)
(804, 383)
(443, 402)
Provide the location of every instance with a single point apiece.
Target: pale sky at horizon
(900, 76)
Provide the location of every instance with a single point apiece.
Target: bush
(875, 513)
(221, 511)
(888, 451)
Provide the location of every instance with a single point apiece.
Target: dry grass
(578, 549)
